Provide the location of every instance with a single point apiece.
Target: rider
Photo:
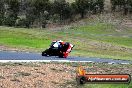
(63, 47)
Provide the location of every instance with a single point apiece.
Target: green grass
(106, 86)
(94, 40)
(23, 38)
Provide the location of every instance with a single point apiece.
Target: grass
(93, 40)
(30, 64)
(22, 74)
(22, 38)
(106, 86)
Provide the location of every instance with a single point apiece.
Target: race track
(6, 56)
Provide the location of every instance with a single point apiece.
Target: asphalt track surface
(7, 56)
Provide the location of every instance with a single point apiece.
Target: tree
(126, 5)
(118, 3)
(30, 14)
(74, 11)
(44, 18)
(41, 5)
(62, 8)
(12, 12)
(100, 4)
(81, 7)
(42, 8)
(2, 11)
(130, 4)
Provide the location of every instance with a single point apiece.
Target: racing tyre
(61, 56)
(45, 53)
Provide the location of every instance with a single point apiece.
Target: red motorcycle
(58, 48)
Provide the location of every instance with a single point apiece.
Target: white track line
(4, 61)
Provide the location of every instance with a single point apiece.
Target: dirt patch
(5, 48)
(42, 76)
(16, 49)
(52, 75)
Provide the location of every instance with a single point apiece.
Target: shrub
(21, 22)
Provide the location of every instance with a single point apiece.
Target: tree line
(122, 5)
(26, 13)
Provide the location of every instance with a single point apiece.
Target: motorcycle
(58, 49)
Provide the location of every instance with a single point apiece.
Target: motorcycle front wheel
(45, 53)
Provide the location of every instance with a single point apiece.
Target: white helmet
(60, 41)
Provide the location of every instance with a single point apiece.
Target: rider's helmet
(66, 45)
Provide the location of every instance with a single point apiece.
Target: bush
(1, 19)
(9, 21)
(124, 5)
(21, 22)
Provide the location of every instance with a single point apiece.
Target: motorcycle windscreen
(54, 45)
